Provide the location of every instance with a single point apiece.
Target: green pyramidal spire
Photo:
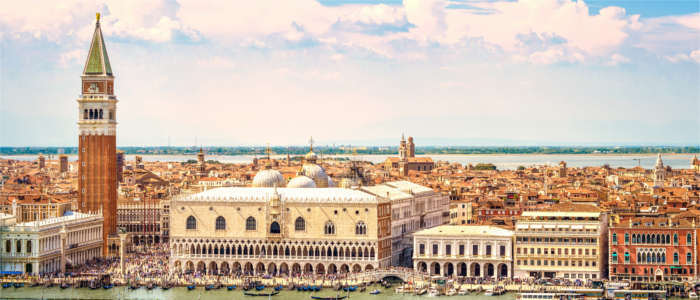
(97, 60)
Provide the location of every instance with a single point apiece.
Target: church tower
(659, 172)
(97, 126)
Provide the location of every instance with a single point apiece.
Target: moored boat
(374, 292)
(261, 294)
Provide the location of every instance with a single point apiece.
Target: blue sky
(470, 72)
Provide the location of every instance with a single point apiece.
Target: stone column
(64, 240)
(122, 249)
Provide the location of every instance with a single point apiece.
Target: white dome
(310, 157)
(301, 182)
(268, 178)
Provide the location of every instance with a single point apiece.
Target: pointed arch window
(191, 223)
(329, 228)
(250, 224)
(675, 258)
(689, 239)
(675, 239)
(688, 258)
(614, 257)
(275, 228)
(614, 238)
(360, 228)
(299, 224)
(220, 223)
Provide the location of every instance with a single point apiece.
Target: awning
(549, 226)
(521, 226)
(576, 226)
(591, 227)
(563, 226)
(535, 226)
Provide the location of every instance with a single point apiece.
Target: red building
(652, 249)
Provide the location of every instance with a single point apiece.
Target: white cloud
(538, 31)
(617, 59)
(693, 56)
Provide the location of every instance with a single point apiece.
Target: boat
(639, 294)
(692, 295)
(315, 288)
(108, 286)
(209, 287)
(278, 288)
(18, 284)
(231, 287)
(351, 288)
(363, 289)
(48, 284)
(422, 291)
(259, 287)
(549, 296)
(6, 285)
(433, 292)
(64, 285)
(462, 291)
(329, 298)
(134, 287)
(374, 292)
(150, 286)
(451, 292)
(93, 285)
(292, 287)
(165, 287)
(191, 287)
(261, 294)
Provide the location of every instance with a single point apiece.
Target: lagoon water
(502, 161)
(183, 294)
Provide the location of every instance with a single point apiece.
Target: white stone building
(464, 250)
(47, 245)
(413, 207)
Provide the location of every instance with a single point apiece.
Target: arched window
(639, 257)
(8, 246)
(275, 228)
(250, 224)
(627, 257)
(688, 258)
(675, 258)
(91, 114)
(614, 238)
(220, 223)
(191, 222)
(668, 239)
(614, 257)
(675, 239)
(627, 238)
(689, 239)
(329, 228)
(85, 114)
(663, 257)
(360, 228)
(111, 114)
(299, 224)
(100, 114)
(29, 247)
(19, 247)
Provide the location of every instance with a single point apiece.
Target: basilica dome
(301, 182)
(315, 172)
(268, 178)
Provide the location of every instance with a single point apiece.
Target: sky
(460, 72)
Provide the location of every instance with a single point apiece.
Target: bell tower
(97, 126)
